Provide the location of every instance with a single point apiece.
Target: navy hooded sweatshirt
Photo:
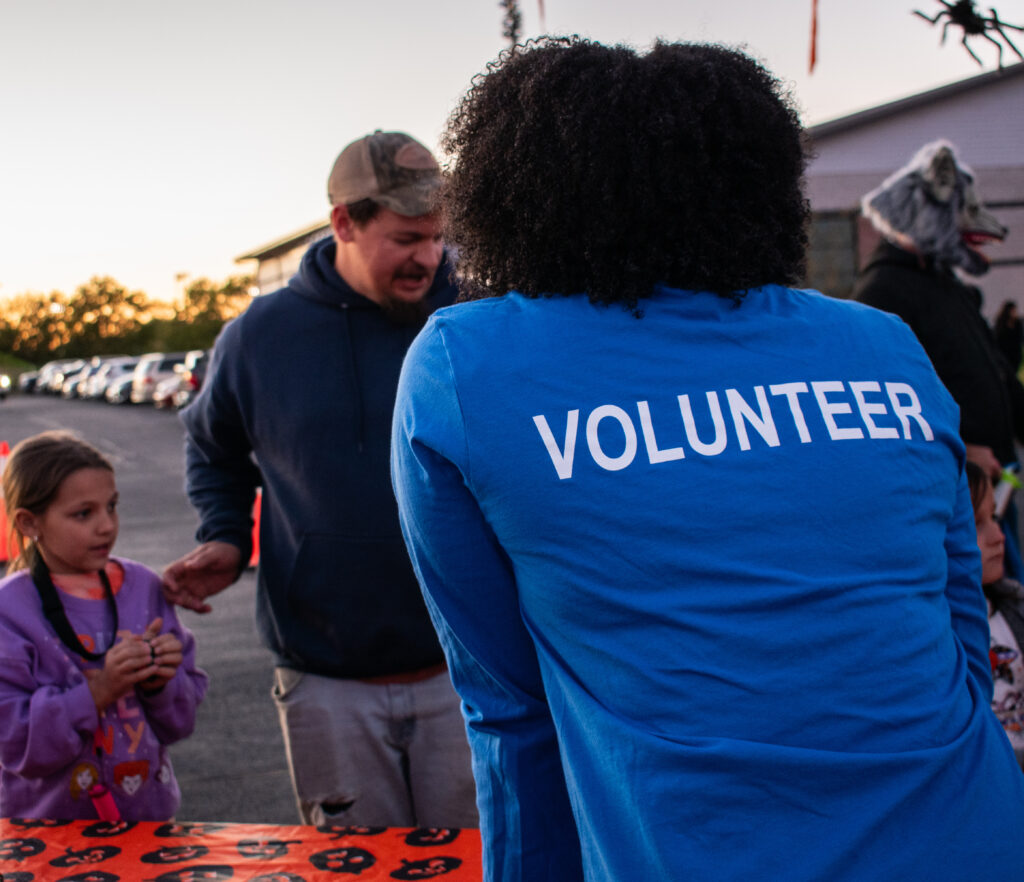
(298, 399)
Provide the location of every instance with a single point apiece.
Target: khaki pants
(368, 754)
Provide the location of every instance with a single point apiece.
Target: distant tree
(34, 326)
(103, 318)
(206, 301)
(95, 321)
(208, 305)
(102, 314)
(8, 335)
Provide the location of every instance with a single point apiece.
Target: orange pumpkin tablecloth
(102, 851)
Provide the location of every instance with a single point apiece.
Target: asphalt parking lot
(233, 766)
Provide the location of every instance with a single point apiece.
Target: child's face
(76, 533)
(990, 538)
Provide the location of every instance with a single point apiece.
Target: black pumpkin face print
(425, 836)
(88, 876)
(265, 849)
(200, 873)
(185, 829)
(108, 828)
(426, 869)
(339, 831)
(175, 854)
(94, 855)
(343, 860)
(32, 823)
(277, 877)
(21, 849)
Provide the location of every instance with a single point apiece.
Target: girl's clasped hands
(147, 661)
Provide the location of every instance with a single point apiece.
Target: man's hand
(203, 572)
(984, 457)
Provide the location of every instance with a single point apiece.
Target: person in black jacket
(1009, 333)
(930, 220)
(304, 383)
(941, 312)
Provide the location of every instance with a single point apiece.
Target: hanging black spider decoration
(965, 16)
(512, 21)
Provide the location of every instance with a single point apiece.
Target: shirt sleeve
(967, 607)
(42, 728)
(469, 585)
(171, 712)
(220, 475)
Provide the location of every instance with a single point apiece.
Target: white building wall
(985, 124)
(275, 272)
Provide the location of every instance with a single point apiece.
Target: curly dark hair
(578, 167)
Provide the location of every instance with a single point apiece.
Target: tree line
(104, 318)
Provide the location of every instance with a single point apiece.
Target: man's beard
(406, 312)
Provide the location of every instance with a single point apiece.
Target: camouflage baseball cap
(391, 168)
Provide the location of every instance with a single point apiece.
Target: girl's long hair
(32, 479)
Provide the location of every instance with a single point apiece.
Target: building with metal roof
(278, 261)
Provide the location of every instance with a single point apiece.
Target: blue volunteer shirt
(708, 586)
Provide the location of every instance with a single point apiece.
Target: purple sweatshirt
(54, 745)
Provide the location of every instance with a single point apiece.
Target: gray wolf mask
(929, 207)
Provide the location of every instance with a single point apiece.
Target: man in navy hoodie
(298, 400)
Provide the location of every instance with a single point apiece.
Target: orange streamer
(814, 34)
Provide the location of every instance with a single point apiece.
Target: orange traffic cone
(7, 546)
(256, 506)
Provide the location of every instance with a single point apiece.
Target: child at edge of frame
(1005, 599)
(97, 675)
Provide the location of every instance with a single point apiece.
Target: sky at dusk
(145, 140)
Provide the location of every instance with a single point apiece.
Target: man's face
(392, 259)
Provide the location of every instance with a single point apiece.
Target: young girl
(97, 676)
(1005, 613)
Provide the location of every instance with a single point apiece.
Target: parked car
(65, 369)
(75, 386)
(72, 387)
(111, 369)
(5, 386)
(47, 371)
(119, 390)
(69, 388)
(192, 376)
(163, 394)
(150, 370)
(27, 382)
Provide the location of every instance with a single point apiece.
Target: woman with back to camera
(661, 503)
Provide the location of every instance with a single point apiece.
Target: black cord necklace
(53, 609)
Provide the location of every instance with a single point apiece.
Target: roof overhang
(901, 105)
(286, 244)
